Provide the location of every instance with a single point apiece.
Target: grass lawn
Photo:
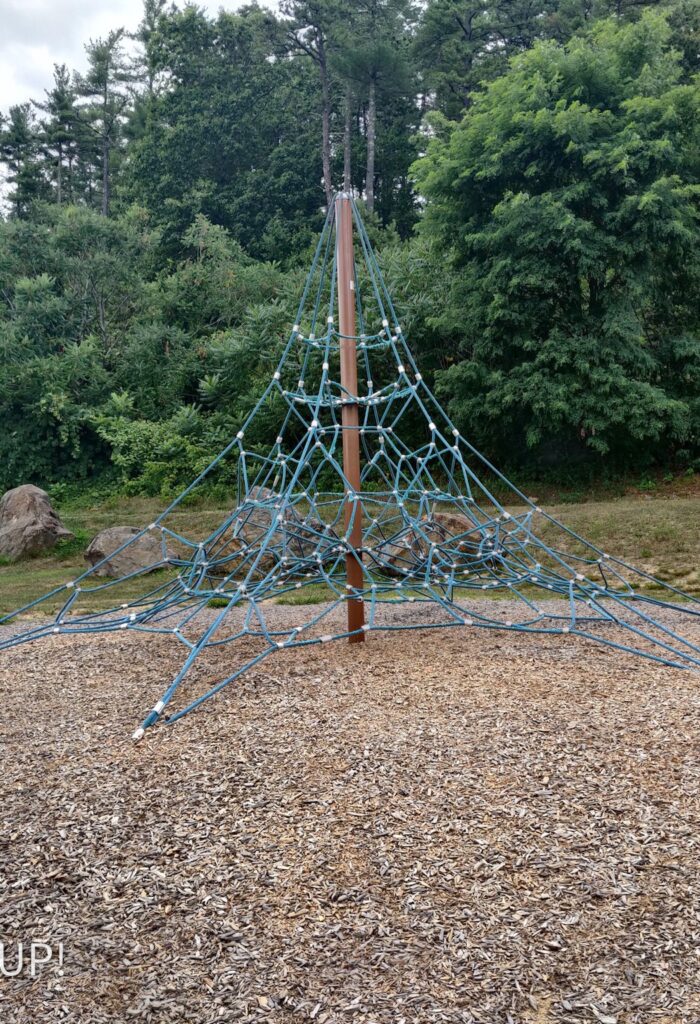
(659, 534)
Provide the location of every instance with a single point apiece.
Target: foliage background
(531, 173)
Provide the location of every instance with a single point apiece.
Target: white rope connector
(138, 735)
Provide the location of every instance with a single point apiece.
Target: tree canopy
(569, 195)
(530, 173)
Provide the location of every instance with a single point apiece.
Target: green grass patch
(74, 547)
(660, 535)
(311, 593)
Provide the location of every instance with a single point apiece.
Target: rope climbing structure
(370, 495)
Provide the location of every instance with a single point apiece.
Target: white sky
(36, 34)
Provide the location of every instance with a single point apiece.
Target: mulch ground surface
(452, 826)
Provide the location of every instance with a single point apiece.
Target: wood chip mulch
(445, 826)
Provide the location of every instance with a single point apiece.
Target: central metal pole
(350, 413)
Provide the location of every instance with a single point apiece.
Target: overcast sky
(36, 34)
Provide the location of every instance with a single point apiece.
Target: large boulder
(461, 544)
(28, 523)
(260, 521)
(144, 553)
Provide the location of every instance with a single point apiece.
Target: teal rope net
(434, 535)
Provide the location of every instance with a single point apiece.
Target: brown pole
(350, 413)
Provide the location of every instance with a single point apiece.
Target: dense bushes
(550, 293)
(568, 198)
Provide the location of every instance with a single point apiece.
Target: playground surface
(444, 826)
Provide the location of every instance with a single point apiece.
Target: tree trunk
(59, 175)
(103, 319)
(326, 98)
(371, 131)
(347, 142)
(105, 176)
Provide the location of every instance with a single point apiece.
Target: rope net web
(434, 536)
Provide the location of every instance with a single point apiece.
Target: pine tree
(229, 134)
(106, 95)
(372, 59)
(310, 31)
(147, 63)
(20, 153)
(59, 132)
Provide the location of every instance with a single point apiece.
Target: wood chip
(455, 826)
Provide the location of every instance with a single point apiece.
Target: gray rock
(460, 543)
(28, 523)
(296, 538)
(293, 538)
(144, 553)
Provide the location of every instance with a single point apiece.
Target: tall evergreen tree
(310, 32)
(373, 60)
(230, 136)
(147, 62)
(20, 153)
(59, 132)
(105, 92)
